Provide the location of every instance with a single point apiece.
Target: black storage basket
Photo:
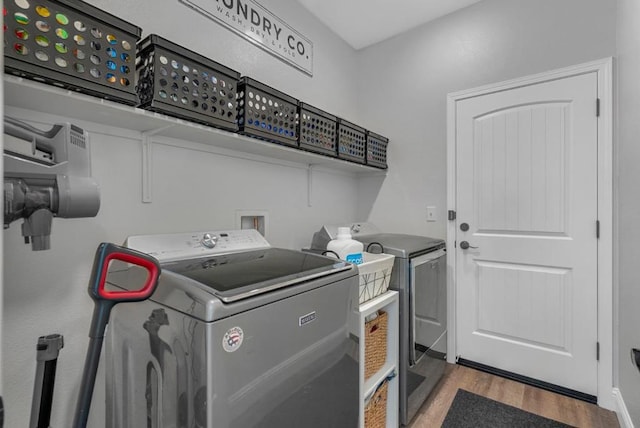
(352, 141)
(181, 83)
(317, 130)
(71, 44)
(377, 150)
(267, 113)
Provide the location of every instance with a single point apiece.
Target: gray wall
(404, 83)
(46, 292)
(628, 130)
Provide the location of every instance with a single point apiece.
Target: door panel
(520, 177)
(526, 165)
(526, 288)
(430, 300)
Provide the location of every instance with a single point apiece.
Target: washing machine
(419, 275)
(238, 334)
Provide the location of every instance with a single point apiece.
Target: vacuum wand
(47, 356)
(104, 301)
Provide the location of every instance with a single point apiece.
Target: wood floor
(544, 403)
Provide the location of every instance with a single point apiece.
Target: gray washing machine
(237, 334)
(419, 275)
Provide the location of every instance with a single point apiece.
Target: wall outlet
(431, 214)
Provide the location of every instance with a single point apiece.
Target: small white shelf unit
(387, 302)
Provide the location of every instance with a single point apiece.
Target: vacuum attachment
(48, 349)
(46, 174)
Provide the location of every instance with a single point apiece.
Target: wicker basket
(375, 412)
(375, 344)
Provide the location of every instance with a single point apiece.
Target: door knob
(465, 245)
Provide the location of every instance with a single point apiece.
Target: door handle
(465, 245)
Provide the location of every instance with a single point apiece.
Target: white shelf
(372, 383)
(39, 97)
(389, 303)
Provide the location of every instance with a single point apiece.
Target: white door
(526, 167)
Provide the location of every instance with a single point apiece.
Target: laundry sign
(255, 23)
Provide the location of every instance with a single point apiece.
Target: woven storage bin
(375, 273)
(267, 113)
(375, 344)
(181, 83)
(377, 150)
(352, 141)
(317, 130)
(73, 45)
(375, 412)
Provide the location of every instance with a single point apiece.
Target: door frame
(604, 70)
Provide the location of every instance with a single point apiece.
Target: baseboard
(621, 410)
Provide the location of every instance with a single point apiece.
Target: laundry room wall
(199, 188)
(404, 82)
(628, 157)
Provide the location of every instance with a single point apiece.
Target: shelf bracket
(147, 161)
(310, 185)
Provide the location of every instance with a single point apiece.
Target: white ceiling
(362, 23)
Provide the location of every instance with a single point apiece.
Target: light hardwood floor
(544, 403)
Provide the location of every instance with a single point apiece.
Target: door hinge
(597, 229)
(452, 215)
(597, 351)
(597, 107)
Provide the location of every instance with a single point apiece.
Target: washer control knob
(209, 240)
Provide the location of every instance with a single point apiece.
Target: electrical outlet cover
(431, 214)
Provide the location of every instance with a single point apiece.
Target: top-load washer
(419, 275)
(237, 334)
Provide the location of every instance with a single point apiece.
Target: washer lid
(400, 245)
(241, 275)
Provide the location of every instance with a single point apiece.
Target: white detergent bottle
(346, 248)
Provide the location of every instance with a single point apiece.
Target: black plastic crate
(317, 130)
(182, 83)
(267, 113)
(352, 141)
(377, 150)
(71, 44)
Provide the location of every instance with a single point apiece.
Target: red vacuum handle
(104, 255)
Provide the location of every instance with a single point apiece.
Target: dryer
(237, 334)
(419, 275)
